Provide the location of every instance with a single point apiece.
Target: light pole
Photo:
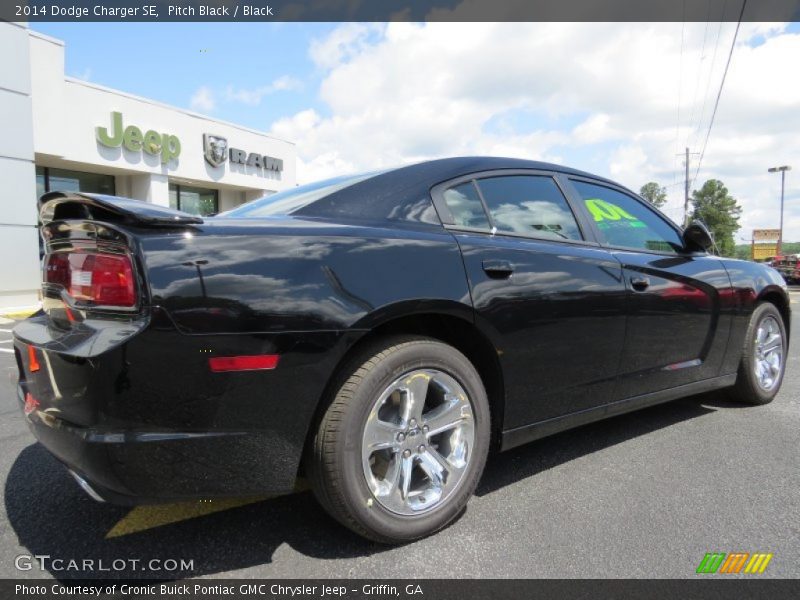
(782, 170)
(197, 264)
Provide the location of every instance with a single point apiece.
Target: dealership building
(65, 134)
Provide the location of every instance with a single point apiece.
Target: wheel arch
(776, 296)
(453, 327)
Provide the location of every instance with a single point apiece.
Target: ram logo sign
(736, 562)
(216, 151)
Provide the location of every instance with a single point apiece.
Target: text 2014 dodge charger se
(379, 333)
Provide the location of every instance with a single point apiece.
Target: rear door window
(465, 206)
(529, 205)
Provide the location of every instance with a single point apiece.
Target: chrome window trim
(439, 203)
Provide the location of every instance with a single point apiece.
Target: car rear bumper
(146, 420)
(136, 467)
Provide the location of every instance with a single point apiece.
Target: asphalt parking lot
(641, 495)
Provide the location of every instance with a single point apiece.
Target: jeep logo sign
(132, 138)
(215, 147)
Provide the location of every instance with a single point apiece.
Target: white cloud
(596, 128)
(341, 44)
(254, 96)
(203, 100)
(629, 95)
(628, 162)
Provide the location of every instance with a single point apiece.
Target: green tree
(743, 251)
(713, 205)
(655, 194)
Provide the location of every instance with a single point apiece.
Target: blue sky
(619, 100)
(170, 61)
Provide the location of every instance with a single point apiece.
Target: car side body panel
(557, 322)
(294, 275)
(678, 327)
(751, 284)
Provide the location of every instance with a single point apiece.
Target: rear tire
(763, 361)
(400, 450)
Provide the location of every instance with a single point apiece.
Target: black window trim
(618, 188)
(486, 211)
(588, 233)
(46, 176)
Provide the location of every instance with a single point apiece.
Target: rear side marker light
(258, 362)
(33, 361)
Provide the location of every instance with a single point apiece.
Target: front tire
(400, 450)
(763, 359)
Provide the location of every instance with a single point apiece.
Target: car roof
(404, 192)
(395, 194)
(438, 170)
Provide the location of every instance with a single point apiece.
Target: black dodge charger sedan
(377, 334)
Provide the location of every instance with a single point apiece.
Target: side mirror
(697, 237)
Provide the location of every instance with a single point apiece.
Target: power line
(680, 92)
(719, 93)
(699, 75)
(710, 76)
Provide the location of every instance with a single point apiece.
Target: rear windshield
(290, 201)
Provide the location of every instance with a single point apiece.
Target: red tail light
(93, 277)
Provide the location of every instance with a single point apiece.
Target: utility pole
(686, 187)
(782, 171)
(686, 193)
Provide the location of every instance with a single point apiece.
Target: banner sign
(764, 251)
(766, 235)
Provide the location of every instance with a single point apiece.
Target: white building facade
(62, 134)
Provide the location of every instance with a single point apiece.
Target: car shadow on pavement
(529, 459)
(52, 516)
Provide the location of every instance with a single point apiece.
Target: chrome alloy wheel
(418, 441)
(768, 355)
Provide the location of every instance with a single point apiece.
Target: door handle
(640, 283)
(498, 269)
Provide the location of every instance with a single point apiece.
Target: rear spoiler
(55, 206)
